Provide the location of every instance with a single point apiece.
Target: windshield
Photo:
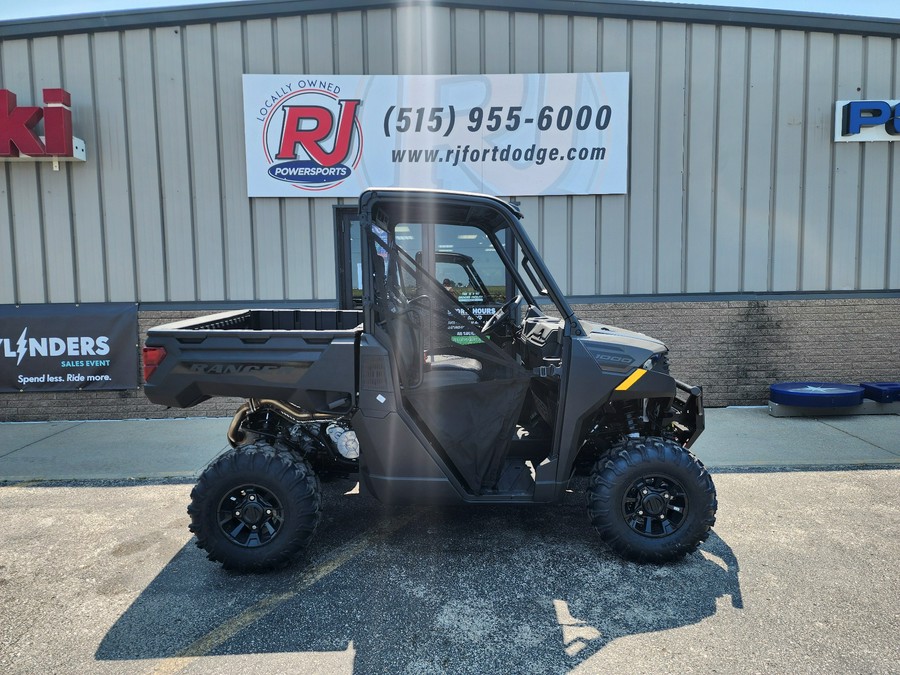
(458, 263)
(472, 246)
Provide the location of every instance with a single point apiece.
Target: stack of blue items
(832, 394)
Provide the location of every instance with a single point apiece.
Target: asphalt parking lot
(801, 575)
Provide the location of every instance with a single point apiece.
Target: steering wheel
(501, 314)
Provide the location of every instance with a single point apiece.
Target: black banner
(68, 347)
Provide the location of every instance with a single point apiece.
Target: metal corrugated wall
(735, 186)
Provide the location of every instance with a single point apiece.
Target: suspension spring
(632, 417)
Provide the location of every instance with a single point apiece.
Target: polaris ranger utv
(437, 393)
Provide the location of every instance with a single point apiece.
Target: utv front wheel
(255, 507)
(651, 500)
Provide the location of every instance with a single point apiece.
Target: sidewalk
(181, 448)
(110, 450)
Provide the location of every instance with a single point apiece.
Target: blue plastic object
(883, 392)
(816, 394)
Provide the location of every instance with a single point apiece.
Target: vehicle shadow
(428, 590)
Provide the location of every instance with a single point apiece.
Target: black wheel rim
(655, 505)
(250, 516)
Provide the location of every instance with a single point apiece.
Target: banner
(509, 135)
(68, 347)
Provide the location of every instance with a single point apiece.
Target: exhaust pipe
(295, 414)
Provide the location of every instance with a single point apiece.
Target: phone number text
(442, 120)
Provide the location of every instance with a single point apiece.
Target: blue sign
(866, 121)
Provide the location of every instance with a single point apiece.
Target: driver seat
(443, 370)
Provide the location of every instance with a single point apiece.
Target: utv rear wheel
(255, 507)
(651, 500)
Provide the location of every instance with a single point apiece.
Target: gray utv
(465, 377)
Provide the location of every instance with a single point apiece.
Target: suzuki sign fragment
(336, 135)
(19, 137)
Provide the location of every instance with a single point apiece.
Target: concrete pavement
(102, 575)
(799, 576)
(181, 448)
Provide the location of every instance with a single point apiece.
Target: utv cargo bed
(303, 356)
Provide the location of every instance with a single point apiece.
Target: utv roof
(418, 198)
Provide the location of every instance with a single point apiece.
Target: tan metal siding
(735, 184)
(729, 156)
(7, 268)
(496, 42)
(759, 138)
(820, 98)
(700, 159)
(379, 42)
(300, 253)
(113, 158)
(175, 169)
(235, 207)
(436, 40)
(203, 148)
(147, 164)
(847, 189)
(555, 235)
(349, 43)
(583, 244)
(614, 209)
(55, 202)
(84, 182)
(876, 189)
(641, 254)
(25, 202)
(787, 176)
(466, 31)
(670, 122)
(583, 249)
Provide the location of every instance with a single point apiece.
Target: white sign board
(862, 121)
(515, 135)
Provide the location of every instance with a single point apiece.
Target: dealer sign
(867, 121)
(19, 129)
(336, 135)
(68, 347)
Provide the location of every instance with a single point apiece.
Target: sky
(16, 9)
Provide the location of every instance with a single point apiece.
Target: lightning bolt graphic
(21, 344)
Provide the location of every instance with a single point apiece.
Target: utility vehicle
(485, 390)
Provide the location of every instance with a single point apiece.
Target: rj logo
(296, 131)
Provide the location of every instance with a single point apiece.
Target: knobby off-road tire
(255, 507)
(651, 500)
